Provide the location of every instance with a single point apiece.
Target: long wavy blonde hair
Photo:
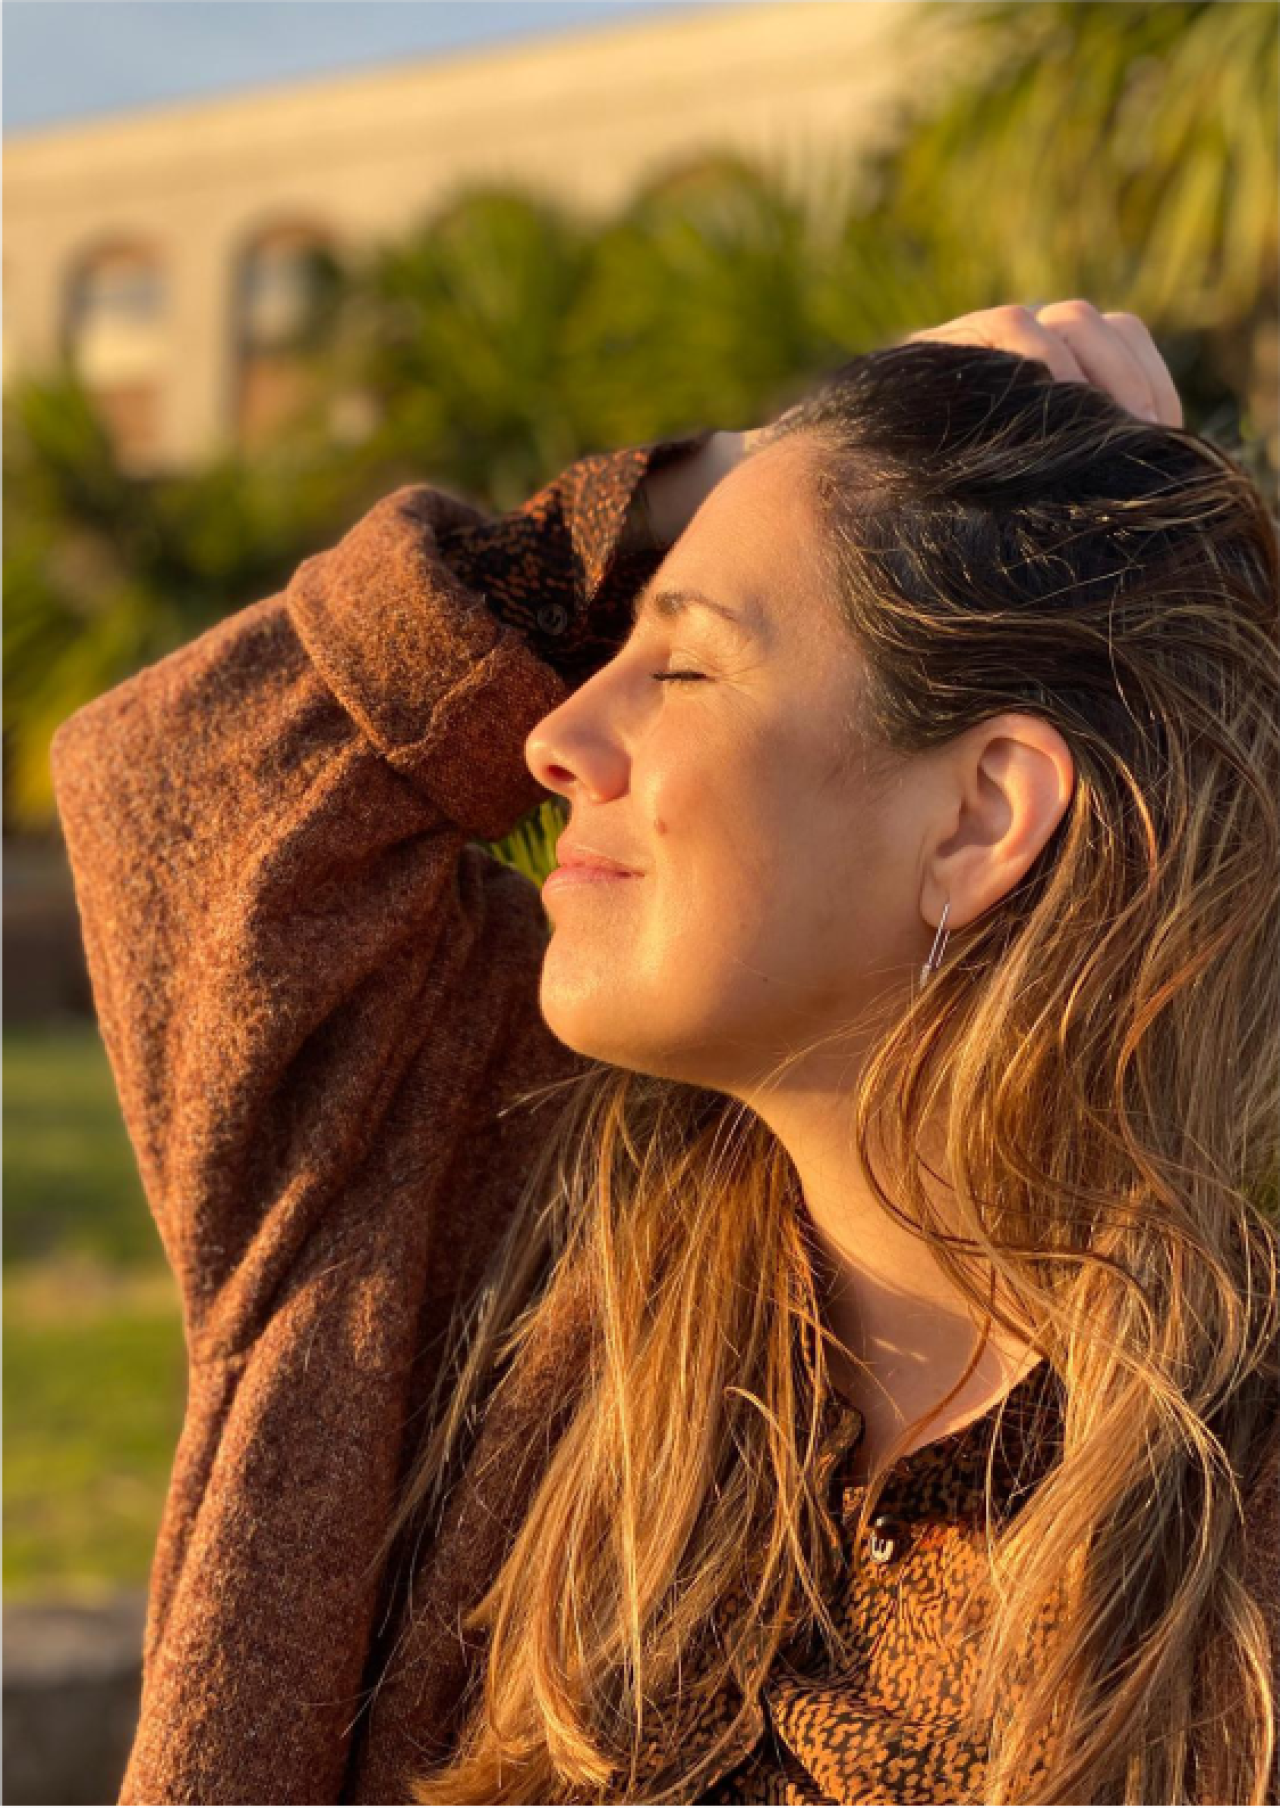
(1105, 1044)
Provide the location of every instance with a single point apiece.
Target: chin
(592, 1026)
(578, 1015)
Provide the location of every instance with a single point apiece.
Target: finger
(1107, 357)
(1134, 332)
(1012, 329)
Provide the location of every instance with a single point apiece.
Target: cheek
(688, 788)
(712, 832)
(755, 838)
(829, 881)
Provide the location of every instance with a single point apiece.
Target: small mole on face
(659, 826)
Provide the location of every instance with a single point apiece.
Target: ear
(1005, 786)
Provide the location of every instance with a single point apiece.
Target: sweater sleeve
(268, 833)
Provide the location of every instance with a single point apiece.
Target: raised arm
(268, 834)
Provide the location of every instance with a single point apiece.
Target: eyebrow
(670, 602)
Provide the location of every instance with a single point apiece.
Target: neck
(908, 1331)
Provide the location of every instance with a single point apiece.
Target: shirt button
(553, 618)
(885, 1539)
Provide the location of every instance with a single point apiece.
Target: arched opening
(115, 337)
(282, 280)
(707, 174)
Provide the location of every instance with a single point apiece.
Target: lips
(575, 854)
(587, 878)
(586, 867)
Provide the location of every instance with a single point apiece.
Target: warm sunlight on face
(778, 883)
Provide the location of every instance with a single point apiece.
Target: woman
(540, 1451)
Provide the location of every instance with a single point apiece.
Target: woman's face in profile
(777, 890)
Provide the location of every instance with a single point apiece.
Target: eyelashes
(676, 677)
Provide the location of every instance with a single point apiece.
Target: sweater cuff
(555, 569)
(446, 692)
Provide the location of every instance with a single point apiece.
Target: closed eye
(676, 677)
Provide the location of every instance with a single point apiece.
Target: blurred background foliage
(1127, 153)
(1123, 152)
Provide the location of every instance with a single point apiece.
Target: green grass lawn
(94, 1366)
(94, 1389)
(70, 1181)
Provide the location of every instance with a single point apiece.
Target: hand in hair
(1079, 345)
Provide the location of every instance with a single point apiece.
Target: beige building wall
(162, 205)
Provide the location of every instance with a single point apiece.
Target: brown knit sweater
(317, 995)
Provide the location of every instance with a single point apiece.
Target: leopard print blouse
(911, 1600)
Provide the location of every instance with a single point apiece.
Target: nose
(571, 750)
(553, 774)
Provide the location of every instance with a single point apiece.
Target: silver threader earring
(939, 947)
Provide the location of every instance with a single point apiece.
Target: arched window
(282, 279)
(709, 175)
(115, 338)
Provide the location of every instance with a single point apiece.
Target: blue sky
(66, 60)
